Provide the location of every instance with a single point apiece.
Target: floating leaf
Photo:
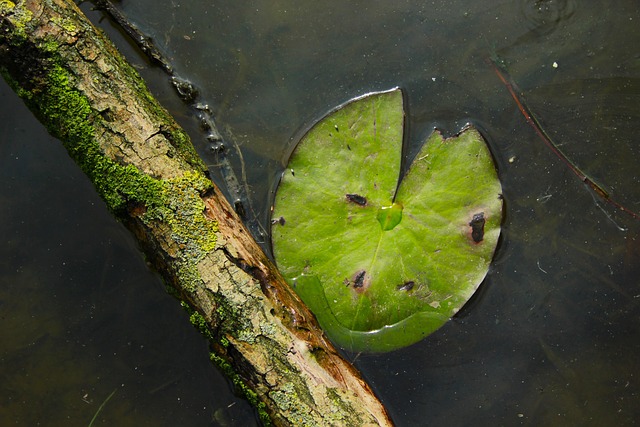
(383, 265)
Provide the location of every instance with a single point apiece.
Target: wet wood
(146, 170)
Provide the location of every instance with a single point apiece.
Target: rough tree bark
(146, 170)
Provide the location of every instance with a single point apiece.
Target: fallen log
(146, 170)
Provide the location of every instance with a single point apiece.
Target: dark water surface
(554, 334)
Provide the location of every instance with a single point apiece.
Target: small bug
(406, 286)
(280, 221)
(357, 199)
(477, 227)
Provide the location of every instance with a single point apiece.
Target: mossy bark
(146, 170)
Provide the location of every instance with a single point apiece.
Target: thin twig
(102, 406)
(517, 96)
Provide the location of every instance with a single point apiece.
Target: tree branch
(146, 170)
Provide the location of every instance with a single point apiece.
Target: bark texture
(145, 168)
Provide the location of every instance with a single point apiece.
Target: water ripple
(544, 16)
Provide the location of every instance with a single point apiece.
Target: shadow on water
(552, 338)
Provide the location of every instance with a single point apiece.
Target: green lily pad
(383, 264)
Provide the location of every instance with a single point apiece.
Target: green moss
(201, 324)
(19, 16)
(177, 202)
(224, 341)
(6, 6)
(49, 46)
(49, 90)
(68, 115)
(65, 24)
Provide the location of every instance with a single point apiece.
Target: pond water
(553, 334)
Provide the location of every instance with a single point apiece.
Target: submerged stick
(102, 406)
(531, 119)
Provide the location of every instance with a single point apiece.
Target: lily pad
(381, 262)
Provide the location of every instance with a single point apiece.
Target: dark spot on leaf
(406, 286)
(358, 280)
(357, 199)
(477, 227)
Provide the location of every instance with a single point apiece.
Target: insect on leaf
(383, 265)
